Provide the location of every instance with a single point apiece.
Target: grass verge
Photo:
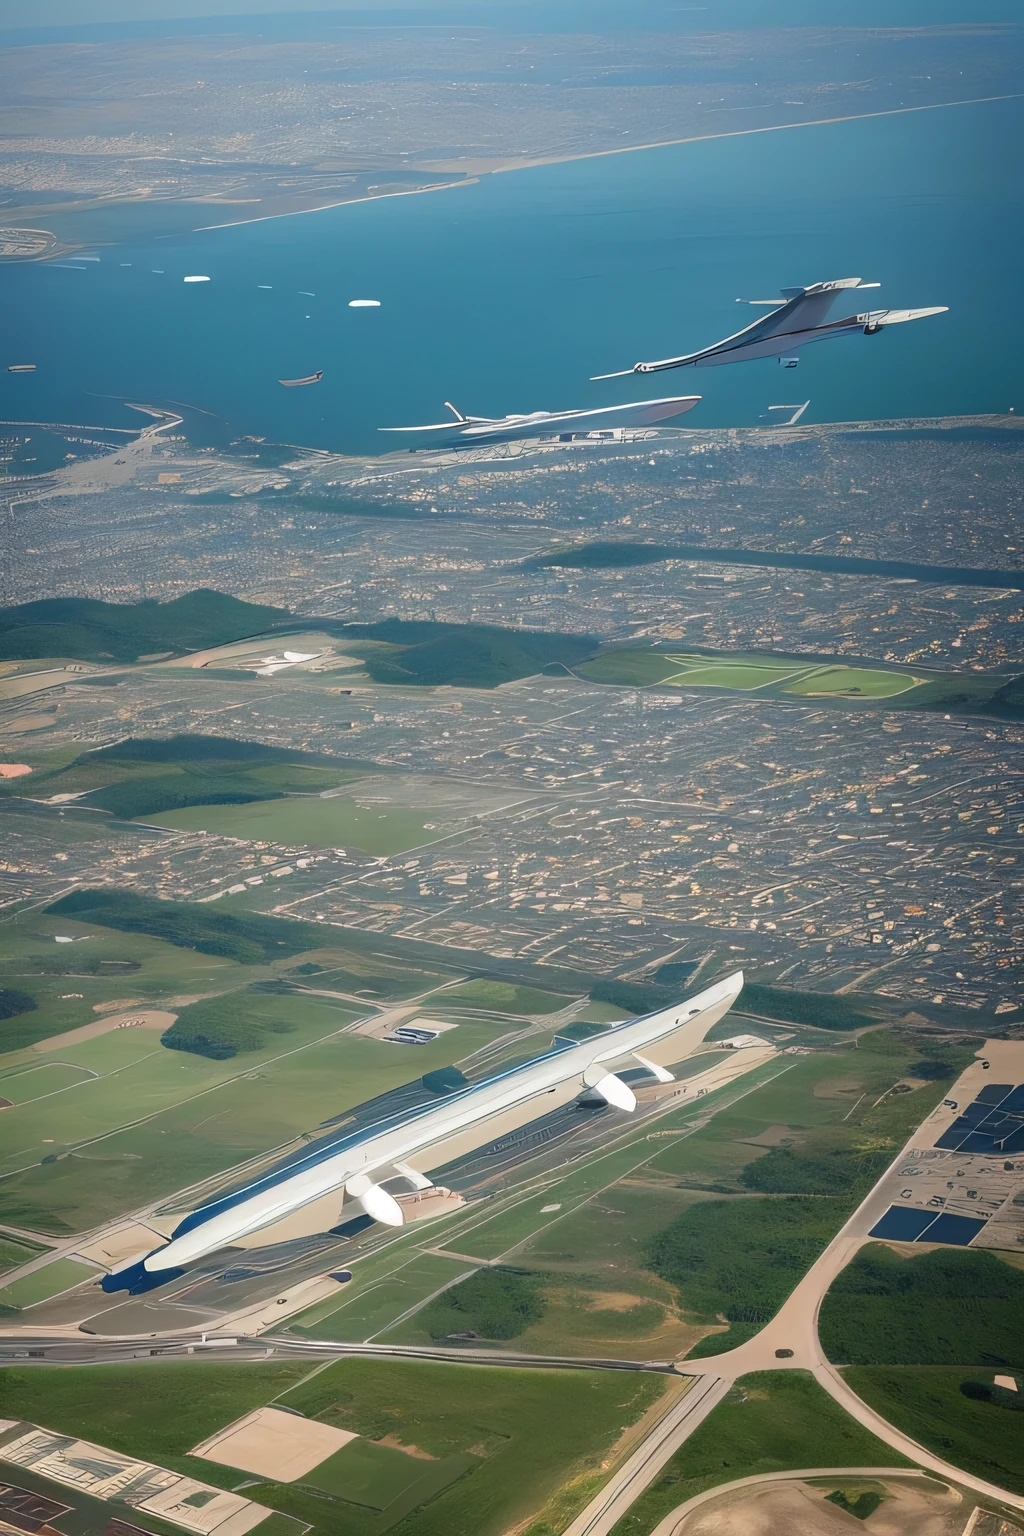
(770, 1422)
(529, 1434)
(927, 1403)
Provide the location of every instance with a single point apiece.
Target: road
(658, 1447)
(672, 1522)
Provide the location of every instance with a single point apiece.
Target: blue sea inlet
(507, 294)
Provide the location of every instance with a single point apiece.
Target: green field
(852, 682)
(14, 1252)
(144, 775)
(486, 1448)
(309, 822)
(146, 1120)
(383, 1481)
(628, 667)
(367, 1474)
(770, 1422)
(43, 1283)
(28, 1081)
(927, 1403)
(504, 997)
(698, 672)
(156, 1412)
(373, 1304)
(746, 672)
(164, 972)
(528, 1434)
(947, 1307)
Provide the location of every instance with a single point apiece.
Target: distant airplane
(799, 318)
(476, 431)
(346, 1179)
(796, 411)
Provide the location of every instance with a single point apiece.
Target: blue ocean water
(506, 295)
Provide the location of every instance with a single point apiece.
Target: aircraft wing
(637, 413)
(803, 310)
(898, 316)
(406, 1146)
(471, 430)
(436, 426)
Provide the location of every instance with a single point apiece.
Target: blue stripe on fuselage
(205, 1213)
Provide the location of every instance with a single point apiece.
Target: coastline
(477, 168)
(294, 213)
(624, 149)
(742, 133)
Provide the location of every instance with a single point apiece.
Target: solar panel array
(905, 1224)
(992, 1126)
(994, 1123)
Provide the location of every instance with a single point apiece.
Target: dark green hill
(604, 554)
(946, 1307)
(185, 747)
(13, 1002)
(465, 655)
(90, 630)
(426, 653)
(251, 939)
(221, 1027)
(146, 775)
(822, 1009)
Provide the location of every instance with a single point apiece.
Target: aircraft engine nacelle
(605, 1085)
(375, 1201)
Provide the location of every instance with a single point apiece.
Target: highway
(44, 1349)
(651, 1456)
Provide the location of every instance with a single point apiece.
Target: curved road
(671, 1523)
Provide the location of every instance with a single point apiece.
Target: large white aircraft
(477, 431)
(379, 1171)
(799, 317)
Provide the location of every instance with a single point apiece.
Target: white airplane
(348, 1179)
(477, 431)
(799, 318)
